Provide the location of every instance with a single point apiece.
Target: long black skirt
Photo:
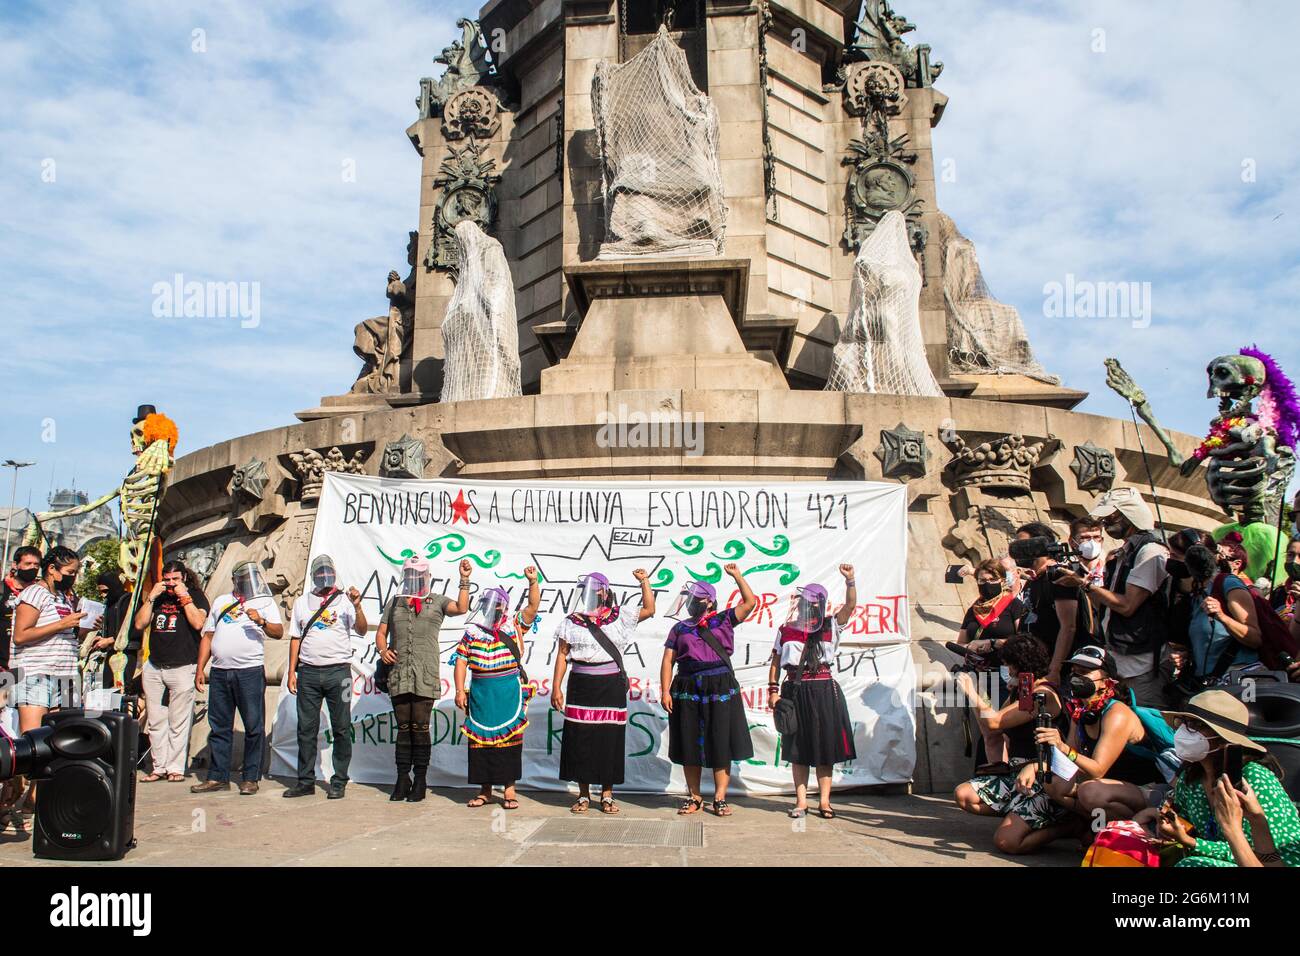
(496, 765)
(707, 727)
(824, 734)
(595, 729)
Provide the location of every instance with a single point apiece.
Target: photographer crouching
(1059, 616)
(1030, 817)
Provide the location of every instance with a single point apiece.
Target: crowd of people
(1114, 701)
(1124, 677)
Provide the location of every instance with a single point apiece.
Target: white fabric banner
(782, 536)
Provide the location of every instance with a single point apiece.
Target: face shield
(247, 583)
(593, 593)
(693, 601)
(417, 579)
(808, 608)
(323, 574)
(491, 608)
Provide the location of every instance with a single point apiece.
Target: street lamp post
(13, 495)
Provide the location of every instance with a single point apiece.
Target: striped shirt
(484, 653)
(56, 655)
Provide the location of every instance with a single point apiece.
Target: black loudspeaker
(85, 803)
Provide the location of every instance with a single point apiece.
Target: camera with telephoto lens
(1028, 550)
(970, 663)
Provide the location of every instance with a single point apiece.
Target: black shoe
(300, 790)
(403, 786)
(418, 788)
(336, 791)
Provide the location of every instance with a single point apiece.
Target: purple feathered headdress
(1279, 407)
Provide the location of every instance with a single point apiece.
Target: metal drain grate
(597, 832)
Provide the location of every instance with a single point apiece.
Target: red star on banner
(460, 508)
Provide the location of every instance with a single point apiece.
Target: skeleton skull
(137, 437)
(1235, 380)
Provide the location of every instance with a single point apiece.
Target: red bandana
(1078, 708)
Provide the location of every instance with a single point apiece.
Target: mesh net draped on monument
(880, 347)
(658, 141)
(479, 333)
(985, 336)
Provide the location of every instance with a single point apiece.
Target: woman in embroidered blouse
(805, 649)
(595, 707)
(1210, 722)
(496, 702)
(706, 717)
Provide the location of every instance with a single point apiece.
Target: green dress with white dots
(1192, 803)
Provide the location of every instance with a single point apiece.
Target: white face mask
(1005, 672)
(1089, 549)
(1191, 746)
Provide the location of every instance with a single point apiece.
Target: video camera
(971, 662)
(1028, 550)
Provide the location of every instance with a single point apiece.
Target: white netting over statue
(880, 347)
(479, 332)
(658, 140)
(985, 336)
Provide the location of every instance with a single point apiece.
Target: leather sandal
(690, 805)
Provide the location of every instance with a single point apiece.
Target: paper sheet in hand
(1063, 766)
(94, 612)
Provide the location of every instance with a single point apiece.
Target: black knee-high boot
(403, 786)
(421, 747)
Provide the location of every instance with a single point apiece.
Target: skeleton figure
(153, 441)
(1250, 459)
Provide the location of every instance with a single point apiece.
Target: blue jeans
(243, 689)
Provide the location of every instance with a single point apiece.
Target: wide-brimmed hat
(1129, 503)
(1222, 713)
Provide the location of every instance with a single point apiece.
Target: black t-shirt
(173, 642)
(1002, 628)
(8, 602)
(114, 614)
(1046, 625)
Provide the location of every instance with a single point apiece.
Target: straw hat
(1222, 713)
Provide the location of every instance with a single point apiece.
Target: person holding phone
(47, 636)
(805, 649)
(593, 639)
(706, 717)
(1030, 818)
(1211, 738)
(175, 611)
(1235, 806)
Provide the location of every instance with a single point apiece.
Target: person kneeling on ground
(1030, 818)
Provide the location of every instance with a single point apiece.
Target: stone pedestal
(662, 324)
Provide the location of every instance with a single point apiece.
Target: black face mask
(1292, 570)
(696, 607)
(65, 583)
(1177, 569)
(1082, 688)
(27, 575)
(990, 590)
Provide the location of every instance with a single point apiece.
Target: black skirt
(499, 766)
(595, 729)
(707, 727)
(824, 734)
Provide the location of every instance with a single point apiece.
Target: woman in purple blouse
(706, 718)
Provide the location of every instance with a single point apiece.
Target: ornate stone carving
(201, 558)
(1093, 467)
(311, 466)
(1003, 462)
(879, 37)
(467, 65)
(881, 181)
(902, 453)
(380, 342)
(472, 113)
(403, 458)
(249, 480)
(468, 181)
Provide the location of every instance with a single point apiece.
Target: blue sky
(133, 148)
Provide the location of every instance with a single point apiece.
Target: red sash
(995, 612)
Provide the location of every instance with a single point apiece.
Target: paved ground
(175, 828)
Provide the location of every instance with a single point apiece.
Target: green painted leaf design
(780, 545)
(455, 542)
(789, 572)
(714, 575)
(489, 559)
(691, 544)
(732, 551)
(663, 578)
(518, 576)
(399, 561)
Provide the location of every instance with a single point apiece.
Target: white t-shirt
(330, 638)
(237, 642)
(56, 655)
(1149, 574)
(583, 648)
(791, 651)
